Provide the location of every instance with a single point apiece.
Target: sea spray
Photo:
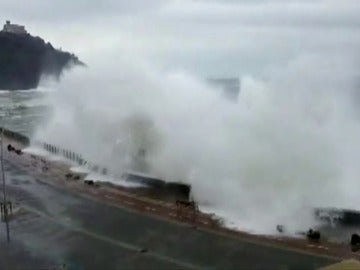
(289, 144)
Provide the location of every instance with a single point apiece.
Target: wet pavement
(55, 229)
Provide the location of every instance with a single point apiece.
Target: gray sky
(206, 37)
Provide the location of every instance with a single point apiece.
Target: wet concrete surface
(55, 227)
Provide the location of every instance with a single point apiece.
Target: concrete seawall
(164, 190)
(16, 136)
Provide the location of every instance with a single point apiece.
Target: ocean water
(24, 111)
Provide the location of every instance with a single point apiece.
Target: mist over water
(290, 143)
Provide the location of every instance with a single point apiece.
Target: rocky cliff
(24, 59)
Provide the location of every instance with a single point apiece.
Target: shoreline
(142, 202)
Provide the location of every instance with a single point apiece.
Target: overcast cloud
(210, 38)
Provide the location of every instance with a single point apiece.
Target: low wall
(167, 190)
(16, 136)
(164, 189)
(343, 217)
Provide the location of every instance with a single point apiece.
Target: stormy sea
(24, 111)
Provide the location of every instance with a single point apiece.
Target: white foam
(290, 143)
(141, 174)
(262, 224)
(44, 89)
(34, 150)
(4, 92)
(59, 158)
(112, 180)
(79, 169)
(39, 151)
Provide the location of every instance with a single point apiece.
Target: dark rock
(355, 248)
(89, 182)
(280, 228)
(313, 235)
(143, 250)
(10, 148)
(25, 59)
(355, 239)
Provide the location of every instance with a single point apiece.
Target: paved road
(57, 228)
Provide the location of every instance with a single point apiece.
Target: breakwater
(16, 136)
(164, 189)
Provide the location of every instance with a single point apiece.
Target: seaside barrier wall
(166, 190)
(16, 136)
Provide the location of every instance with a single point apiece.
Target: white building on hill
(14, 28)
